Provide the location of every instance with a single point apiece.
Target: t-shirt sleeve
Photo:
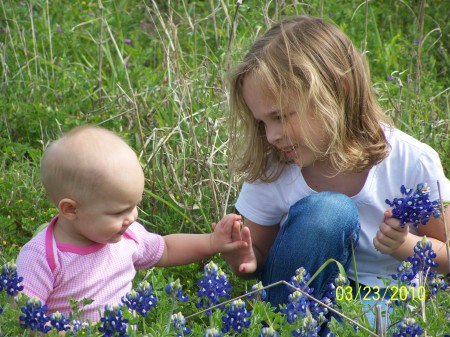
(32, 265)
(150, 247)
(429, 170)
(261, 203)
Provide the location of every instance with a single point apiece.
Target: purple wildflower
(9, 280)
(415, 206)
(257, 292)
(390, 78)
(310, 328)
(113, 323)
(34, 317)
(141, 300)
(421, 262)
(178, 322)
(174, 290)
(408, 327)
(301, 307)
(127, 41)
(59, 321)
(236, 317)
(213, 286)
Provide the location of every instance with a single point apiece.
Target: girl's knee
(326, 213)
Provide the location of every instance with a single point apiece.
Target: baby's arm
(183, 249)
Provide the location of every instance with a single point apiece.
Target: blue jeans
(321, 226)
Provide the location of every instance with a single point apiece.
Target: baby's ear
(68, 208)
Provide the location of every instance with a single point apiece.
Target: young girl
(94, 246)
(320, 158)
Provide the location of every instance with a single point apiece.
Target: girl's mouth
(290, 152)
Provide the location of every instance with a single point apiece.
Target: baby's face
(106, 215)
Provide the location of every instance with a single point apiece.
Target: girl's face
(285, 130)
(109, 212)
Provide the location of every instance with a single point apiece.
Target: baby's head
(311, 64)
(89, 163)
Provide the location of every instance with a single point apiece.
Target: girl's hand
(390, 236)
(245, 258)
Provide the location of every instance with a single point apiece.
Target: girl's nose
(273, 134)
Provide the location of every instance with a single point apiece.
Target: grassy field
(155, 72)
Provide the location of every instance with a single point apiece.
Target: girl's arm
(399, 242)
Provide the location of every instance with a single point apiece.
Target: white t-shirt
(409, 163)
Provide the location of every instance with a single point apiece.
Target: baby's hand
(390, 236)
(226, 236)
(241, 256)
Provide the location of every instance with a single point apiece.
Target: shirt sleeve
(32, 265)
(261, 203)
(150, 247)
(430, 171)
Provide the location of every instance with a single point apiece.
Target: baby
(94, 246)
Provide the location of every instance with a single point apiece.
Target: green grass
(66, 63)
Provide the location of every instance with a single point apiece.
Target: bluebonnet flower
(174, 290)
(257, 292)
(9, 280)
(76, 326)
(296, 308)
(436, 282)
(141, 300)
(113, 323)
(330, 295)
(236, 317)
(212, 332)
(213, 286)
(300, 279)
(406, 272)
(415, 206)
(310, 328)
(59, 321)
(421, 263)
(268, 332)
(178, 322)
(301, 307)
(34, 317)
(408, 328)
(1, 310)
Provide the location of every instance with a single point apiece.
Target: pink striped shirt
(53, 271)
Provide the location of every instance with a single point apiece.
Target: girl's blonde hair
(316, 65)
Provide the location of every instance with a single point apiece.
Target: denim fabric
(321, 226)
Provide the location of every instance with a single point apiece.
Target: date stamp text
(393, 293)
